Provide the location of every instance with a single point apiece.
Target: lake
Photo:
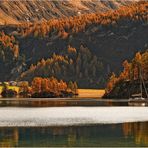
(73, 126)
(125, 134)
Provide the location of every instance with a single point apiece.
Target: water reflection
(126, 134)
(138, 130)
(9, 137)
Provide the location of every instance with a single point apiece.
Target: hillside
(14, 12)
(87, 48)
(128, 81)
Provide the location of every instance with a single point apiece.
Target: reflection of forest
(138, 130)
(9, 137)
(135, 133)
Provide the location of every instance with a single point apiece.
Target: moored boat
(138, 99)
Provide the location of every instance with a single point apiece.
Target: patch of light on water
(62, 116)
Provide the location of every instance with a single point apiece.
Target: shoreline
(58, 102)
(86, 97)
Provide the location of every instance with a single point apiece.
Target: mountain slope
(87, 48)
(13, 12)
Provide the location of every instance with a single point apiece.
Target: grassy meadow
(91, 93)
(16, 88)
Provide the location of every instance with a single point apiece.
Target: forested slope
(129, 80)
(92, 45)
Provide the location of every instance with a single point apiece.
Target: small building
(13, 83)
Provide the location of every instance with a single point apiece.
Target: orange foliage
(64, 26)
(126, 72)
(48, 85)
(111, 83)
(131, 71)
(10, 42)
(71, 49)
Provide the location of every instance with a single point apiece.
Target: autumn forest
(85, 49)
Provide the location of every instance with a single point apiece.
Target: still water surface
(125, 134)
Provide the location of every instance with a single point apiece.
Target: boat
(138, 99)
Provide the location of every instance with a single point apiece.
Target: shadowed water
(125, 134)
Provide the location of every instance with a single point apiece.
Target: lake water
(74, 126)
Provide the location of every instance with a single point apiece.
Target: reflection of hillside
(9, 138)
(126, 134)
(138, 130)
(68, 133)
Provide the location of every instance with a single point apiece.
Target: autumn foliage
(63, 27)
(52, 85)
(8, 42)
(131, 71)
(11, 61)
(76, 65)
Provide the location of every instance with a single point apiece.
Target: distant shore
(83, 93)
(59, 102)
(86, 97)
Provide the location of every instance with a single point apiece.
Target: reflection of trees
(9, 138)
(68, 133)
(72, 137)
(138, 130)
(75, 136)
